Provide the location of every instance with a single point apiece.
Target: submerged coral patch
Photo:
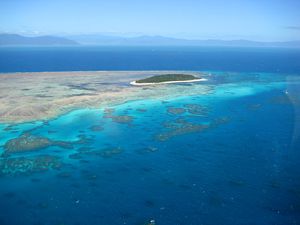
(122, 119)
(25, 165)
(254, 106)
(108, 113)
(28, 142)
(96, 128)
(63, 144)
(284, 100)
(64, 175)
(9, 128)
(75, 156)
(142, 110)
(180, 126)
(219, 121)
(175, 110)
(109, 152)
(170, 125)
(106, 152)
(179, 129)
(196, 109)
(83, 139)
(148, 149)
(85, 149)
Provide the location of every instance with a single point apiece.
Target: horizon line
(116, 35)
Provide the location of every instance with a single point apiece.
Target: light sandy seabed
(42, 95)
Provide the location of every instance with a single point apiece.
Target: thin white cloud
(292, 27)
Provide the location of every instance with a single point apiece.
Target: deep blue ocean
(227, 157)
(29, 59)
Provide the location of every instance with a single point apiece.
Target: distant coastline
(16, 40)
(7, 39)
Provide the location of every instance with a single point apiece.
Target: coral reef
(26, 165)
(254, 106)
(105, 153)
(96, 128)
(108, 113)
(49, 94)
(148, 149)
(141, 110)
(63, 144)
(181, 128)
(109, 152)
(219, 121)
(75, 156)
(28, 142)
(175, 110)
(196, 109)
(122, 119)
(83, 139)
(9, 128)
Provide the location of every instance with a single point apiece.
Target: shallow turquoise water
(230, 156)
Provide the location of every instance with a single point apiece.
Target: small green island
(167, 79)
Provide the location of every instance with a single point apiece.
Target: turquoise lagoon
(227, 156)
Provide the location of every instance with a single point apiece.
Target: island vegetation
(167, 78)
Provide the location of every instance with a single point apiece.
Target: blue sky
(265, 20)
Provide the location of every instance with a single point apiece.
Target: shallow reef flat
(42, 95)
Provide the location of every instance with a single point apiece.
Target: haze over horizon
(264, 20)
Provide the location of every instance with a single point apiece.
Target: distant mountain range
(104, 40)
(167, 41)
(18, 40)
